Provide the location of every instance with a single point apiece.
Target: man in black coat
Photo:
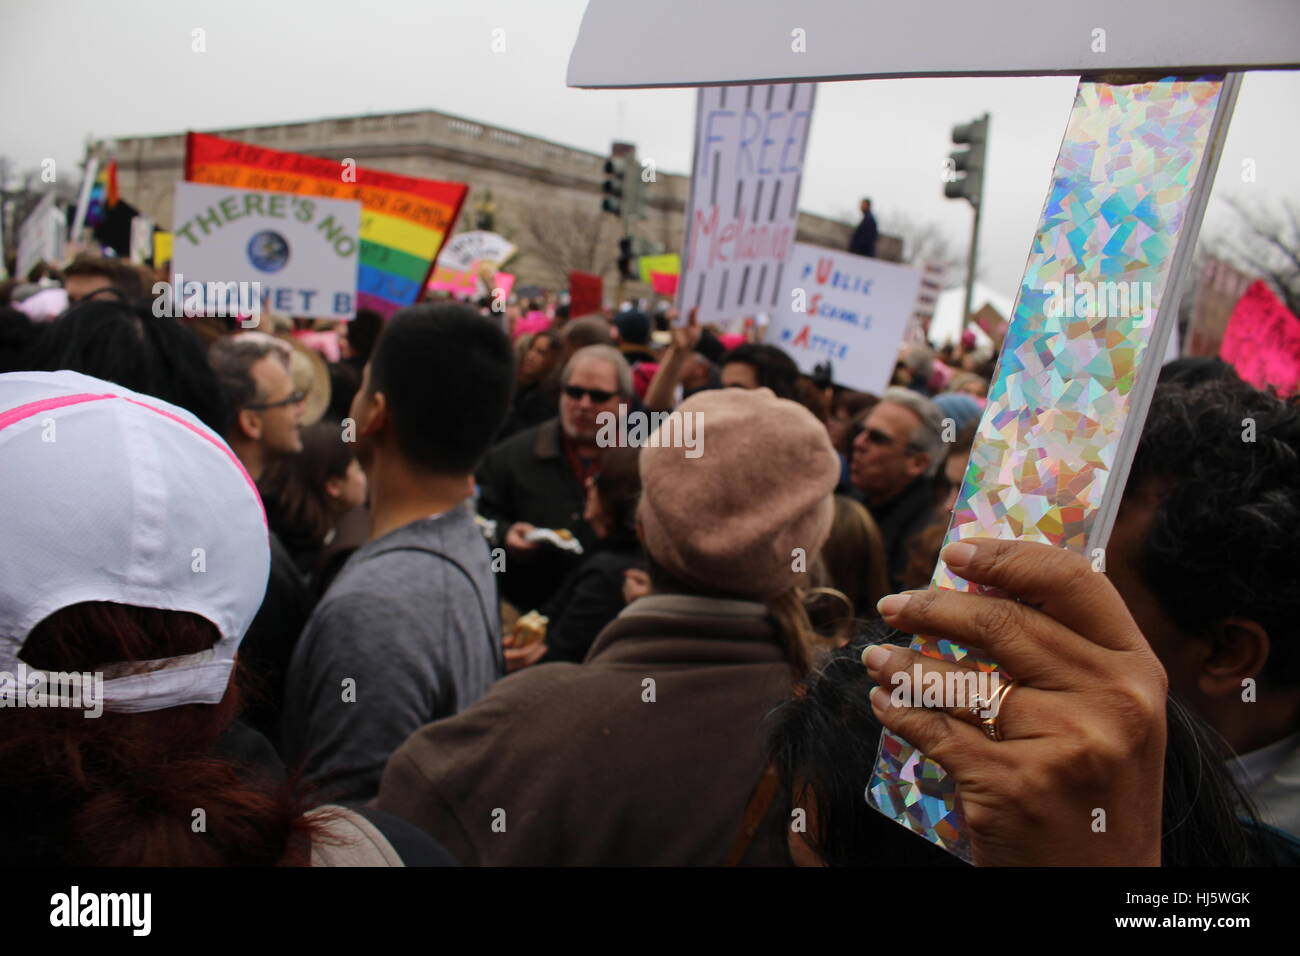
(863, 242)
(538, 478)
(895, 458)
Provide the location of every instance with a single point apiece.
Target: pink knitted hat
(730, 519)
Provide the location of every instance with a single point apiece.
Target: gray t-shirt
(401, 638)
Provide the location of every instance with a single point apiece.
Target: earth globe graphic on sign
(268, 251)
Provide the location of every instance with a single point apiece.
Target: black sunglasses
(876, 437)
(597, 396)
(294, 398)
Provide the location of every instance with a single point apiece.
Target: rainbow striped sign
(404, 221)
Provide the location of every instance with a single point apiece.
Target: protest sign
(586, 294)
(1065, 408)
(471, 282)
(743, 211)
(142, 240)
(668, 264)
(664, 283)
(404, 220)
(991, 322)
(847, 310)
(466, 248)
(40, 237)
(927, 297)
(162, 248)
(1263, 341)
(300, 250)
(761, 41)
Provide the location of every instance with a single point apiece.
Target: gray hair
(605, 353)
(233, 358)
(927, 437)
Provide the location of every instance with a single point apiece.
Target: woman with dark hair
(130, 346)
(593, 595)
(854, 558)
(136, 556)
(307, 494)
(537, 385)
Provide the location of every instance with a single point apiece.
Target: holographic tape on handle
(1079, 364)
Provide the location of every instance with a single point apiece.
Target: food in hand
(530, 629)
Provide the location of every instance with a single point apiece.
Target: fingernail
(891, 604)
(958, 553)
(874, 657)
(879, 699)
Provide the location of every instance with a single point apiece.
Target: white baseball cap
(110, 495)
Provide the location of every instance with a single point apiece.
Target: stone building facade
(543, 196)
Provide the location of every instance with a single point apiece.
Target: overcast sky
(76, 68)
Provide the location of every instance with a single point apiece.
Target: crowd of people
(379, 593)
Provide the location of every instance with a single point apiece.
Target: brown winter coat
(573, 764)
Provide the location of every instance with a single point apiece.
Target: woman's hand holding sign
(1075, 775)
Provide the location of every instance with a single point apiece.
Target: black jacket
(532, 405)
(268, 644)
(863, 242)
(901, 519)
(526, 478)
(590, 598)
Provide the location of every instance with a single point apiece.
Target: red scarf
(582, 466)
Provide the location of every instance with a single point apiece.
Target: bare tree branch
(566, 239)
(1267, 243)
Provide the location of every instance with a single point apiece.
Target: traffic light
(966, 166)
(626, 259)
(615, 172)
(624, 196)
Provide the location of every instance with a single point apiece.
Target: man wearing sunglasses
(896, 454)
(537, 477)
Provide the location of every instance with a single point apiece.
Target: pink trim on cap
(21, 412)
(225, 450)
(16, 415)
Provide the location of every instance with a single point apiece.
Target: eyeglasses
(597, 396)
(293, 399)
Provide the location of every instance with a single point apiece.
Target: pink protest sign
(453, 281)
(466, 284)
(1262, 341)
(663, 284)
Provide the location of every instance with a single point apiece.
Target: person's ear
(250, 424)
(377, 415)
(1239, 650)
(640, 531)
(334, 487)
(918, 464)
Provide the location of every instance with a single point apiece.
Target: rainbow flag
(404, 221)
(103, 194)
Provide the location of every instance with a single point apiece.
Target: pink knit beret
(730, 519)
